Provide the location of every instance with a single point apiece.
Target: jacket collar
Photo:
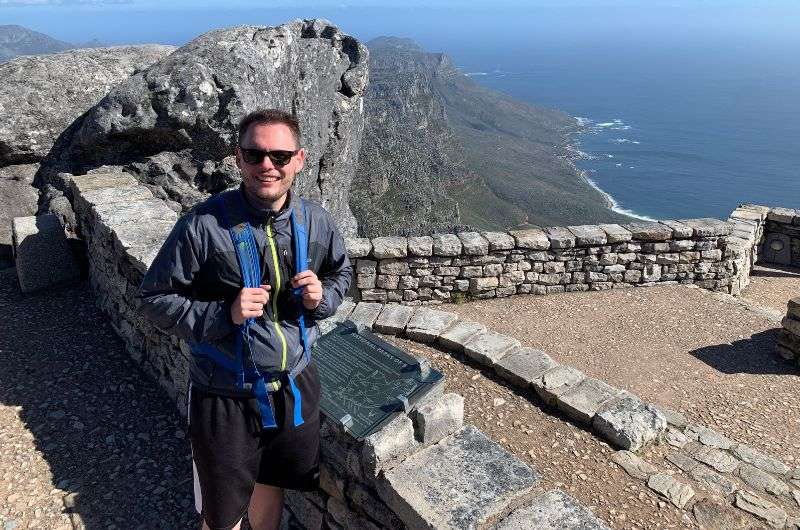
(262, 214)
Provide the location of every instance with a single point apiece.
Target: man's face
(267, 181)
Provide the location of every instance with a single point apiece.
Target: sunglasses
(278, 157)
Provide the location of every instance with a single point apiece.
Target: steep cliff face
(409, 155)
(173, 125)
(441, 152)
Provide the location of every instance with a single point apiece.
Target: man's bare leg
(266, 506)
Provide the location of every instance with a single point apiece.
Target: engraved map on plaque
(365, 380)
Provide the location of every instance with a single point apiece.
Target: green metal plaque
(366, 381)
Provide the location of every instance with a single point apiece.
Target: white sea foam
(624, 141)
(618, 165)
(615, 206)
(470, 74)
(610, 156)
(583, 122)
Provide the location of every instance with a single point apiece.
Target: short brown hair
(266, 117)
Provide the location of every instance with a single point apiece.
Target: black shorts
(231, 453)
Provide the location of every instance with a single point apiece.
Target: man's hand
(249, 303)
(312, 288)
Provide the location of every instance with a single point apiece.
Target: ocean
(689, 108)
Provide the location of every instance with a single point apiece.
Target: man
(254, 391)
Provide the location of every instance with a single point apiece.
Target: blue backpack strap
(300, 242)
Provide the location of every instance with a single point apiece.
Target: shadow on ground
(771, 270)
(112, 439)
(755, 355)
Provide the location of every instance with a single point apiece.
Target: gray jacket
(194, 279)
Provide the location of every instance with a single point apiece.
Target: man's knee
(266, 506)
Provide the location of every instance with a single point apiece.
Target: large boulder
(174, 124)
(42, 95)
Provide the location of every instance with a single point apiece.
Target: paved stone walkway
(84, 442)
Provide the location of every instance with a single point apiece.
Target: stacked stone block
(450, 267)
(747, 232)
(383, 481)
(720, 480)
(789, 337)
(616, 415)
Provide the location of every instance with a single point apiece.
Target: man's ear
(301, 157)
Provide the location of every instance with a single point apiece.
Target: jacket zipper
(275, 292)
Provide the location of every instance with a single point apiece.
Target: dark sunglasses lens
(256, 156)
(280, 158)
(253, 156)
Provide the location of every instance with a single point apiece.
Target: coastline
(574, 153)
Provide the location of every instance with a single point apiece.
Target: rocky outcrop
(174, 124)
(409, 156)
(42, 95)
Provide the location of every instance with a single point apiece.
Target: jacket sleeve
(335, 273)
(166, 292)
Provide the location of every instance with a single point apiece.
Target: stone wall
(762, 234)
(452, 267)
(789, 338)
(424, 469)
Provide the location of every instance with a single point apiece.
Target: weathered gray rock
(420, 246)
(556, 381)
(189, 104)
(629, 423)
(582, 402)
(524, 366)
(761, 461)
(473, 244)
(20, 172)
(675, 492)
(675, 438)
(437, 419)
(760, 480)
(42, 95)
(708, 227)
(465, 481)
(428, 324)
(555, 510)
(714, 513)
(489, 347)
(674, 418)
(560, 237)
(588, 235)
(393, 319)
(708, 437)
(458, 334)
(648, 231)
(344, 310)
(633, 465)
(616, 234)
(713, 480)
(533, 239)
(365, 313)
(719, 460)
(499, 240)
(358, 247)
(773, 515)
(682, 461)
(679, 230)
(386, 447)
(42, 254)
(390, 247)
(446, 245)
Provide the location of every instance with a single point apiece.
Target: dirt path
(84, 442)
(679, 347)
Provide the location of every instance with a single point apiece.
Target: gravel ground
(771, 287)
(84, 442)
(679, 347)
(567, 456)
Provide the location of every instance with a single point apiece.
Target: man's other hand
(249, 303)
(312, 288)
